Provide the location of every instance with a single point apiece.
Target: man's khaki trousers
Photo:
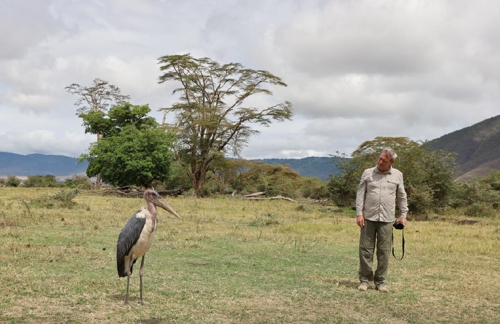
(379, 235)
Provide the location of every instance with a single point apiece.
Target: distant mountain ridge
(39, 164)
(477, 151)
(58, 165)
(314, 167)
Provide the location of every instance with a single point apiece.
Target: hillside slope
(477, 148)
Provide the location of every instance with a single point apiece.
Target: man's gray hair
(389, 151)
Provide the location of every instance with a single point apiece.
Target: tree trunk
(198, 180)
(98, 181)
(98, 177)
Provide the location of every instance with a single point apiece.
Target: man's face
(384, 162)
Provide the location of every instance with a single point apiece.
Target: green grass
(236, 261)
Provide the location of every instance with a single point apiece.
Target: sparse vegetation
(237, 261)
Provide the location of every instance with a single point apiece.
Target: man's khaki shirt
(377, 195)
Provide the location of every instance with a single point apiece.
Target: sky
(354, 69)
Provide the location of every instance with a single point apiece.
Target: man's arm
(402, 201)
(360, 201)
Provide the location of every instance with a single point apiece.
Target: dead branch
(270, 198)
(254, 194)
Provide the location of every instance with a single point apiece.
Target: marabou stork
(136, 237)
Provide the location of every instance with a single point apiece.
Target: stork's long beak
(165, 205)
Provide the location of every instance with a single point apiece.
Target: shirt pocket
(392, 186)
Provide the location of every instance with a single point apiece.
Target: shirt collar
(388, 172)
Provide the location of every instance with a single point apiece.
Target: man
(378, 191)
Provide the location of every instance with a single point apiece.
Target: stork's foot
(141, 302)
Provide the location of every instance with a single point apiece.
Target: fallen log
(133, 192)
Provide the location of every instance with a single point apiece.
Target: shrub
(12, 181)
(41, 181)
(479, 209)
(313, 188)
(78, 182)
(62, 199)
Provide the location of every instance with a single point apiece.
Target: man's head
(386, 159)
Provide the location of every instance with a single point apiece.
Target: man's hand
(360, 220)
(402, 220)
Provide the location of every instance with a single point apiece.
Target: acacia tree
(210, 119)
(96, 98)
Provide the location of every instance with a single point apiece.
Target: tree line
(47, 181)
(428, 175)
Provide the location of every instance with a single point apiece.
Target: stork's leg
(128, 284)
(140, 276)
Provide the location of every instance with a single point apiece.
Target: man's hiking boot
(363, 286)
(383, 289)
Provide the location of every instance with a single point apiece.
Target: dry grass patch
(236, 261)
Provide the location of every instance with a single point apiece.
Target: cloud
(24, 25)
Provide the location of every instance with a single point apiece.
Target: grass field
(237, 261)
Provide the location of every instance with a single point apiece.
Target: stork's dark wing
(126, 240)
